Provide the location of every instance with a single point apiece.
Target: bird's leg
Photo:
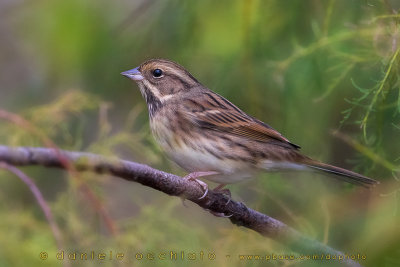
(226, 192)
(219, 187)
(193, 177)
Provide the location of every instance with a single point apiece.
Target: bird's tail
(339, 173)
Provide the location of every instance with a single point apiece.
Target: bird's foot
(220, 188)
(219, 214)
(193, 177)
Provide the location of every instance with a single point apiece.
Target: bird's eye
(157, 73)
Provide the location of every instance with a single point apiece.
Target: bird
(209, 137)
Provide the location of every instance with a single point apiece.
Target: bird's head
(161, 79)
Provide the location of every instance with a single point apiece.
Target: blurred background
(323, 73)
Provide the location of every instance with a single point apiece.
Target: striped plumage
(202, 131)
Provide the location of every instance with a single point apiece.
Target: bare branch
(40, 199)
(175, 186)
(25, 124)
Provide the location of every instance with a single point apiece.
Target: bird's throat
(153, 103)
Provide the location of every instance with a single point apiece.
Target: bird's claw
(224, 191)
(192, 177)
(219, 214)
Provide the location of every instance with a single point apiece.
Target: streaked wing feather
(214, 112)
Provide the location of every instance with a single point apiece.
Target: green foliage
(304, 67)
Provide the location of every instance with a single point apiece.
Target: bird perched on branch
(210, 137)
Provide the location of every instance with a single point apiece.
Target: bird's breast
(193, 151)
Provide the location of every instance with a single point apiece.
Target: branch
(39, 198)
(28, 126)
(175, 186)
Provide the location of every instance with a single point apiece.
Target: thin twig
(40, 199)
(173, 185)
(366, 151)
(25, 124)
(378, 93)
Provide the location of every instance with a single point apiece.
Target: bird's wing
(214, 112)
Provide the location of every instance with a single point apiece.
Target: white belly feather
(230, 171)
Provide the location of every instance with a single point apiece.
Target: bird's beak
(133, 74)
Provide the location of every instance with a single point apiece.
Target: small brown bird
(209, 136)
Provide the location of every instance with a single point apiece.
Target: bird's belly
(198, 154)
(229, 171)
